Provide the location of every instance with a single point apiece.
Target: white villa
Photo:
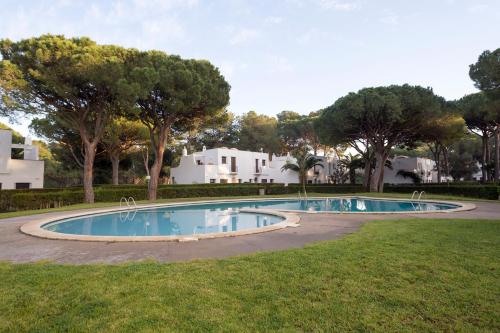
(424, 167)
(19, 173)
(230, 165)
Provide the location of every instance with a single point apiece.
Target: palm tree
(304, 162)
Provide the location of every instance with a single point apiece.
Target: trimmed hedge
(490, 192)
(12, 200)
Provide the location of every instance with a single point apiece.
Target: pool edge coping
(34, 228)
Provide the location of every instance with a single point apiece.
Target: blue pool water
(219, 217)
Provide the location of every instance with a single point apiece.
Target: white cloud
(338, 5)
(280, 64)
(274, 19)
(230, 68)
(307, 36)
(244, 36)
(390, 19)
(478, 8)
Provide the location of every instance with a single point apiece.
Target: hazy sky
(286, 55)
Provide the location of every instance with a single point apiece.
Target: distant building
(19, 173)
(423, 167)
(230, 165)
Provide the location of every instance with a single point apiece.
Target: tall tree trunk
(366, 175)
(446, 163)
(378, 174)
(115, 166)
(88, 171)
(484, 157)
(157, 164)
(381, 180)
(302, 180)
(497, 153)
(352, 176)
(488, 158)
(145, 160)
(436, 154)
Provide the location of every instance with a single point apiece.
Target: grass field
(413, 275)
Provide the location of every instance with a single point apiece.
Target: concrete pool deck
(18, 247)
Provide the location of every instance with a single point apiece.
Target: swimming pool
(214, 219)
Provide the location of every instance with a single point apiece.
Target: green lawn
(413, 275)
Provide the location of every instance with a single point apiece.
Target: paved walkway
(18, 247)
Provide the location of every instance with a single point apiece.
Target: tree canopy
(258, 131)
(383, 117)
(486, 73)
(174, 96)
(81, 83)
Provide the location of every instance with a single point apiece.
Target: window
(239, 181)
(255, 180)
(224, 160)
(212, 181)
(21, 186)
(199, 162)
(309, 181)
(249, 180)
(264, 180)
(263, 162)
(223, 181)
(271, 180)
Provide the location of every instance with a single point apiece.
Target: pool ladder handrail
(419, 195)
(128, 201)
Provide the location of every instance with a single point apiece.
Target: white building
(230, 165)
(421, 166)
(19, 173)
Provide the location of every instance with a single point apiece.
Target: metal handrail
(133, 201)
(413, 195)
(128, 202)
(420, 195)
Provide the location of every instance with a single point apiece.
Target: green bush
(12, 200)
(490, 192)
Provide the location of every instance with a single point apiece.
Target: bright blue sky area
(296, 55)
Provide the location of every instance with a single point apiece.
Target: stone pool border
(34, 228)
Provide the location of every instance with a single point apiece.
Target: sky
(277, 55)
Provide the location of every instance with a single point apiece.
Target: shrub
(12, 200)
(472, 191)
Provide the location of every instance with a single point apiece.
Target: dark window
(256, 165)
(198, 162)
(233, 164)
(264, 180)
(263, 162)
(21, 186)
(239, 181)
(309, 181)
(249, 180)
(224, 160)
(255, 179)
(212, 181)
(223, 181)
(271, 180)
